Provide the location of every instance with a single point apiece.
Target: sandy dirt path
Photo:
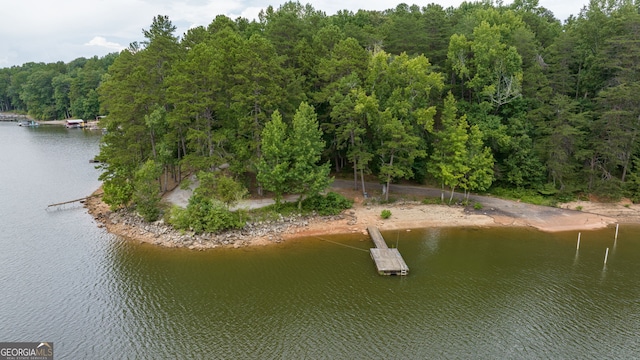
(409, 213)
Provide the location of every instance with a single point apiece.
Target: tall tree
(479, 175)
(397, 150)
(405, 31)
(618, 128)
(256, 94)
(350, 109)
(156, 59)
(498, 66)
(133, 90)
(450, 156)
(200, 87)
(563, 141)
(122, 149)
(307, 176)
(275, 162)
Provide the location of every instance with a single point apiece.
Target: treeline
(56, 90)
(470, 97)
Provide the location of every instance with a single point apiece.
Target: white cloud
(102, 42)
(252, 12)
(50, 31)
(4, 61)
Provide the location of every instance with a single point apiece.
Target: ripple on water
(490, 293)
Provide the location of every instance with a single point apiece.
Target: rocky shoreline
(131, 226)
(406, 215)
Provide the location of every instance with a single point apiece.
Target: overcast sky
(63, 30)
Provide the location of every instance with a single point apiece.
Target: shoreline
(406, 215)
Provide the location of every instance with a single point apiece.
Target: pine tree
(275, 162)
(307, 177)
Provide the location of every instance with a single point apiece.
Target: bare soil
(411, 214)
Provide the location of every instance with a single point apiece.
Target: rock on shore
(130, 225)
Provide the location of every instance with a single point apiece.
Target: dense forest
(56, 90)
(470, 98)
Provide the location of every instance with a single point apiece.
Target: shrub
(330, 204)
(609, 190)
(477, 206)
(431, 201)
(529, 196)
(178, 217)
(385, 214)
(205, 215)
(185, 184)
(221, 187)
(391, 200)
(117, 193)
(146, 194)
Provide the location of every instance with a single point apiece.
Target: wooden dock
(388, 261)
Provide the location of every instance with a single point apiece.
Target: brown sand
(412, 215)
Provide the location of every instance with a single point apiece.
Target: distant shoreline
(88, 123)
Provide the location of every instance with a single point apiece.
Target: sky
(63, 30)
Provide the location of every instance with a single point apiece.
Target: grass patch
(529, 196)
(391, 200)
(385, 214)
(330, 204)
(431, 201)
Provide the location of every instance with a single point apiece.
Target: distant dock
(388, 261)
(13, 117)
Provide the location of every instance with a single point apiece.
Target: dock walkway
(388, 261)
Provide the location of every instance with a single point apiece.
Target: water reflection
(471, 293)
(486, 293)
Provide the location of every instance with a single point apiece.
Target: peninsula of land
(407, 213)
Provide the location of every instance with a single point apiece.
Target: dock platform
(388, 261)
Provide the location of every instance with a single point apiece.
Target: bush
(146, 194)
(477, 206)
(185, 184)
(609, 190)
(205, 215)
(178, 217)
(330, 204)
(529, 196)
(385, 214)
(432, 201)
(221, 187)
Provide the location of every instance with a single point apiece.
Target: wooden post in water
(76, 200)
(606, 256)
(578, 246)
(616, 237)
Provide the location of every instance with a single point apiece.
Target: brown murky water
(496, 293)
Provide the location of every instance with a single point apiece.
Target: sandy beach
(406, 215)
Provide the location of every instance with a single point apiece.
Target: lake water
(471, 293)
